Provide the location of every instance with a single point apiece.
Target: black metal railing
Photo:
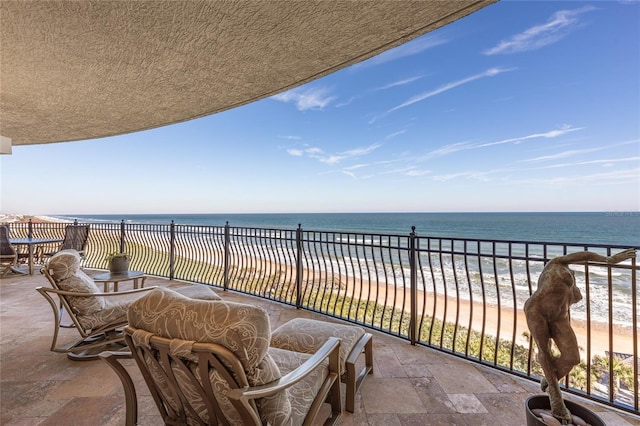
(460, 296)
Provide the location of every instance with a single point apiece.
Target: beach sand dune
(489, 318)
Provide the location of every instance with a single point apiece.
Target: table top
(34, 240)
(108, 276)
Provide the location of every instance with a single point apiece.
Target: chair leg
(12, 268)
(354, 383)
(131, 401)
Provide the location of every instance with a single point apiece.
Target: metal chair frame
(75, 237)
(93, 341)
(214, 356)
(8, 254)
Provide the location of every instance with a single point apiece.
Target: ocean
(612, 228)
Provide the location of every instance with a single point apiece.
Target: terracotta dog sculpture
(547, 313)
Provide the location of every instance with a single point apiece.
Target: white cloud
(421, 97)
(356, 166)
(491, 72)
(318, 154)
(376, 89)
(306, 150)
(571, 153)
(313, 151)
(350, 174)
(398, 83)
(447, 149)
(507, 174)
(450, 176)
(410, 48)
(347, 102)
(609, 162)
(461, 146)
(557, 27)
(629, 175)
(349, 154)
(295, 152)
(417, 172)
(563, 154)
(309, 98)
(406, 171)
(394, 134)
(550, 134)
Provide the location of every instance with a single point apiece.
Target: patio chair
(75, 238)
(98, 317)
(209, 363)
(8, 254)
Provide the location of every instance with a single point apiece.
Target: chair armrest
(331, 348)
(79, 294)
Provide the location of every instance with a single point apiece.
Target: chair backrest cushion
(64, 268)
(64, 264)
(243, 329)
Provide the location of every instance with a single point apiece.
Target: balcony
(410, 384)
(450, 336)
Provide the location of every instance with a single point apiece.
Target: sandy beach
(485, 317)
(23, 218)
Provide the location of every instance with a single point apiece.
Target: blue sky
(522, 106)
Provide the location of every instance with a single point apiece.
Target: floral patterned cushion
(117, 307)
(302, 394)
(197, 291)
(308, 335)
(64, 264)
(243, 329)
(64, 268)
(112, 313)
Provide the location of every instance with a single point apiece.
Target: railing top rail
(567, 244)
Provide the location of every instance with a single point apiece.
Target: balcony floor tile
(410, 385)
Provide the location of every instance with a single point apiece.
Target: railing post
(299, 266)
(227, 241)
(122, 236)
(30, 229)
(413, 321)
(172, 251)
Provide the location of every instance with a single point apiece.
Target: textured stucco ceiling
(73, 70)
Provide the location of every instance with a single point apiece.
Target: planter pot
(542, 401)
(119, 265)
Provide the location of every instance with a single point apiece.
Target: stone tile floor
(410, 385)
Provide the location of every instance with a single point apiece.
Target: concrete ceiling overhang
(73, 70)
